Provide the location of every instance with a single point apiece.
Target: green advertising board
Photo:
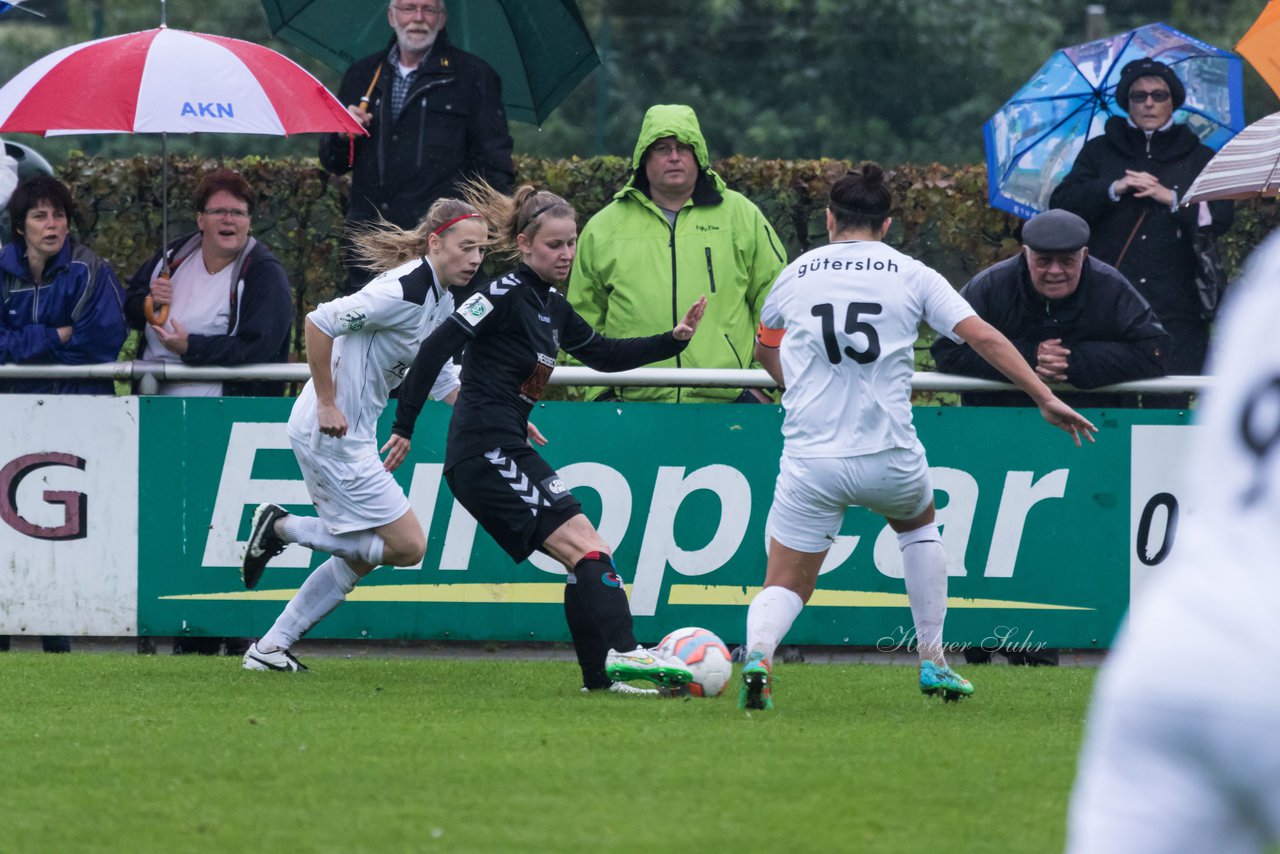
(1037, 531)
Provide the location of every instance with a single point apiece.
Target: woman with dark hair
(357, 348)
(215, 296)
(60, 304)
(512, 328)
(837, 333)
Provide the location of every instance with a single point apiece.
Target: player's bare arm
(991, 345)
(319, 359)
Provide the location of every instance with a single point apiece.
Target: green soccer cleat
(757, 683)
(649, 665)
(944, 681)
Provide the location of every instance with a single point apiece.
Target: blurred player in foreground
(358, 348)
(837, 333)
(1180, 752)
(512, 328)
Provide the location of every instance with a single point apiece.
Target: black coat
(452, 126)
(1111, 331)
(1159, 261)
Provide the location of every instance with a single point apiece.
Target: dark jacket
(453, 126)
(1111, 331)
(77, 289)
(260, 321)
(1159, 261)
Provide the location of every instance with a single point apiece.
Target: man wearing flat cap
(1127, 184)
(1073, 318)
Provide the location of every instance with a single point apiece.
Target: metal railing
(148, 375)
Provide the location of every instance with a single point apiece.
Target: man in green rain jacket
(673, 233)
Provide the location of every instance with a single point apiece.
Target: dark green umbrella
(540, 48)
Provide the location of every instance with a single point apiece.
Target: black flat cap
(1055, 231)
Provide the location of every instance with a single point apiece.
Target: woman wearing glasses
(1127, 184)
(225, 299)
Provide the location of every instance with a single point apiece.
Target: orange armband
(770, 337)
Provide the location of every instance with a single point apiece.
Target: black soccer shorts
(516, 497)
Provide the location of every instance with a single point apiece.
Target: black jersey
(512, 328)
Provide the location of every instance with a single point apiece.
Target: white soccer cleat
(280, 659)
(624, 688)
(647, 664)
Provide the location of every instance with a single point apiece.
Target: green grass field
(133, 753)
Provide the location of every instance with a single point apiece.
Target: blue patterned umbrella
(1033, 140)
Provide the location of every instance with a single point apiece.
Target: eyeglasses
(234, 213)
(1137, 97)
(413, 11)
(666, 149)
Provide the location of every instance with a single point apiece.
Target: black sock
(600, 591)
(588, 643)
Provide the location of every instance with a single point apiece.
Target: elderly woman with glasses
(216, 297)
(1128, 184)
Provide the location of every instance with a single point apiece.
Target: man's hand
(161, 291)
(331, 420)
(364, 117)
(1052, 360)
(64, 333)
(396, 449)
(176, 341)
(689, 325)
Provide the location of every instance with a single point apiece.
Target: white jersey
(377, 332)
(852, 312)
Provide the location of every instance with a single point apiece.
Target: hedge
(942, 215)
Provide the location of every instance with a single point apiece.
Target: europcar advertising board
(1041, 536)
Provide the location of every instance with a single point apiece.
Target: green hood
(678, 120)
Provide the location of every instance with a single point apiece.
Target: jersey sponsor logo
(531, 389)
(475, 309)
(399, 369)
(353, 321)
(859, 265)
(611, 579)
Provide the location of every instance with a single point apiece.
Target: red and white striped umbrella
(169, 81)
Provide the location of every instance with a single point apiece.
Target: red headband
(456, 220)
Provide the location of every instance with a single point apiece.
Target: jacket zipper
(422, 115)
(734, 349)
(675, 308)
(711, 273)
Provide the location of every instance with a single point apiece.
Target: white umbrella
(1246, 167)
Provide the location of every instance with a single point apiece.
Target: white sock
(311, 532)
(325, 589)
(925, 569)
(769, 618)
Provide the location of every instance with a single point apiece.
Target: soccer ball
(705, 654)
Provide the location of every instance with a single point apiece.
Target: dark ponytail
(861, 200)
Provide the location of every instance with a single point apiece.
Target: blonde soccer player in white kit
(837, 333)
(1180, 751)
(359, 348)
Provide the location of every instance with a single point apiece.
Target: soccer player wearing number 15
(837, 334)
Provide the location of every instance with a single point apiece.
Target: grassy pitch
(164, 754)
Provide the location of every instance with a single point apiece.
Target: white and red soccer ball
(706, 656)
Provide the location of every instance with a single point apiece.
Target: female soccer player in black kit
(512, 328)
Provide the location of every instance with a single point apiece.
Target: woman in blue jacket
(60, 304)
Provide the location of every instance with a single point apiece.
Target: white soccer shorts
(350, 495)
(812, 494)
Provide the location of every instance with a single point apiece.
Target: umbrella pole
(164, 201)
